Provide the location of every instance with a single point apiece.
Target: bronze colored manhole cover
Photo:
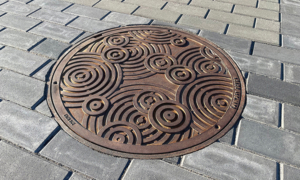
(146, 92)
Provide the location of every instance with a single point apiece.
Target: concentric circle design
(146, 92)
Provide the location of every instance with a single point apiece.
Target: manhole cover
(146, 92)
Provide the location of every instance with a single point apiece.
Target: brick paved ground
(261, 35)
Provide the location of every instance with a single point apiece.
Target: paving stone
(191, 30)
(44, 109)
(267, 25)
(213, 5)
(261, 109)
(274, 1)
(18, 22)
(290, 9)
(84, 2)
(290, 42)
(292, 73)
(18, 8)
(272, 142)
(290, 172)
(43, 74)
(24, 127)
(116, 6)
(66, 150)
(258, 65)
(157, 14)
(290, 25)
(201, 23)
(291, 120)
(53, 16)
(274, 89)
(77, 177)
(173, 160)
(186, 9)
(2, 12)
(268, 5)
(17, 164)
(86, 34)
(91, 25)
(255, 12)
(229, 136)
(20, 61)
(56, 31)
(228, 42)
(254, 34)
(291, 2)
(242, 2)
(51, 48)
(153, 3)
(156, 169)
(221, 161)
(86, 11)
(274, 52)
(230, 18)
(3, 1)
(126, 19)
(180, 1)
(22, 1)
(56, 5)
(26, 93)
(18, 39)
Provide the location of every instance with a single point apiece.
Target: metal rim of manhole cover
(146, 92)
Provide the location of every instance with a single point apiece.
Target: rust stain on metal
(146, 92)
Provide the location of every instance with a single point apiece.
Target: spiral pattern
(178, 41)
(115, 54)
(169, 116)
(121, 132)
(145, 99)
(179, 74)
(95, 105)
(159, 62)
(116, 40)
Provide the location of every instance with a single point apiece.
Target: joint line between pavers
(40, 67)
(124, 173)
(232, 8)
(181, 161)
(278, 171)
(164, 6)
(33, 12)
(189, 2)
(282, 72)
(281, 169)
(135, 10)
(67, 7)
(68, 176)
(97, 3)
(237, 133)
(47, 140)
(178, 18)
(206, 14)
(256, 6)
(71, 21)
(282, 115)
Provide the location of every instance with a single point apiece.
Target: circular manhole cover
(146, 92)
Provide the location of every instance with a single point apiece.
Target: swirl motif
(115, 54)
(116, 40)
(179, 74)
(121, 132)
(145, 99)
(95, 105)
(169, 116)
(159, 62)
(178, 41)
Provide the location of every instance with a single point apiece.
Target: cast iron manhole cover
(146, 92)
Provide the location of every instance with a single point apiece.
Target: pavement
(262, 36)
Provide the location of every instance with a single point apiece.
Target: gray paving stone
(17, 164)
(156, 169)
(23, 126)
(18, 22)
(126, 19)
(291, 172)
(229, 136)
(251, 3)
(66, 150)
(221, 161)
(86, 11)
(91, 25)
(44, 109)
(77, 177)
(116, 6)
(230, 18)
(191, 30)
(213, 5)
(290, 42)
(272, 142)
(267, 25)
(173, 160)
(43, 74)
(86, 34)
(2, 12)
(274, 89)
(22, 1)
(290, 25)
(56, 31)
(186, 9)
(291, 120)
(51, 4)
(290, 9)
(278, 53)
(290, 2)
(292, 73)
(255, 12)
(18, 8)
(227, 42)
(157, 4)
(261, 109)
(18, 39)
(201, 23)
(20, 89)
(53, 16)
(20, 61)
(83, 2)
(268, 5)
(157, 14)
(51, 48)
(258, 65)
(180, 1)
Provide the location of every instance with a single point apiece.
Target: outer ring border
(150, 156)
